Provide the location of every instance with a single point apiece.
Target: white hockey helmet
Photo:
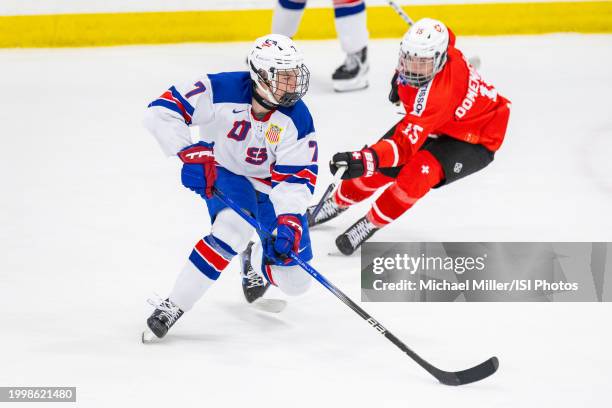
(423, 52)
(278, 71)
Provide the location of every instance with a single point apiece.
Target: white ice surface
(93, 220)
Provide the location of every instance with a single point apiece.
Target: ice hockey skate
(163, 318)
(255, 286)
(329, 210)
(356, 235)
(352, 75)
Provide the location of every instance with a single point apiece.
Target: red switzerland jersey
(457, 103)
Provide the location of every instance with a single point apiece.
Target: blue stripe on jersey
(177, 95)
(297, 180)
(349, 11)
(302, 120)
(167, 104)
(295, 169)
(203, 266)
(231, 87)
(292, 5)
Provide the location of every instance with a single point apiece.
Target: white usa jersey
(278, 154)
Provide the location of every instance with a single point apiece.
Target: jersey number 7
(199, 88)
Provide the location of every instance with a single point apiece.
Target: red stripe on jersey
(347, 2)
(278, 177)
(305, 174)
(168, 96)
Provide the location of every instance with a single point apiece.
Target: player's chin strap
(261, 100)
(470, 375)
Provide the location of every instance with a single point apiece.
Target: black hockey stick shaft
(470, 375)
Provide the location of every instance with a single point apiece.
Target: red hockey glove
(199, 171)
(288, 237)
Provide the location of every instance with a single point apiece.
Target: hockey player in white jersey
(258, 147)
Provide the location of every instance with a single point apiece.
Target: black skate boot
(356, 235)
(328, 211)
(352, 75)
(163, 318)
(253, 285)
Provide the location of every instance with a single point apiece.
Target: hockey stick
(474, 60)
(401, 12)
(330, 188)
(470, 375)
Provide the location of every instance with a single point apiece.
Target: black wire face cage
(417, 71)
(288, 85)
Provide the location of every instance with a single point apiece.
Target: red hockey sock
(418, 176)
(355, 190)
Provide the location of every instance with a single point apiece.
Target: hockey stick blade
(476, 373)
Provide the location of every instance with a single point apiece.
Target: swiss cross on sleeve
(356, 155)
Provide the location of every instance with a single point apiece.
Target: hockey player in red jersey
(454, 124)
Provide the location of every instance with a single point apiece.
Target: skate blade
(270, 305)
(148, 337)
(350, 85)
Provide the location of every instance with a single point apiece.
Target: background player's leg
(422, 172)
(355, 190)
(348, 193)
(287, 16)
(350, 19)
